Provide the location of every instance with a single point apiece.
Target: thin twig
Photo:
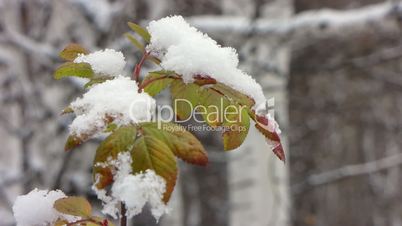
(123, 219)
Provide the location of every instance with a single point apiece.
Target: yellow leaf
(76, 206)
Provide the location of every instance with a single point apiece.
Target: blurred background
(333, 68)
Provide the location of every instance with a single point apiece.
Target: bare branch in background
(62, 170)
(348, 171)
(309, 20)
(30, 46)
(101, 13)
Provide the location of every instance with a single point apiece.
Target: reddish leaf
(272, 137)
(103, 176)
(278, 151)
(204, 80)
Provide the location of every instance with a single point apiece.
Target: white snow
(117, 99)
(188, 52)
(346, 17)
(272, 126)
(36, 208)
(137, 190)
(134, 190)
(121, 167)
(263, 110)
(108, 62)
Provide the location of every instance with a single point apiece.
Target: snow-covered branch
(31, 46)
(101, 12)
(348, 171)
(315, 19)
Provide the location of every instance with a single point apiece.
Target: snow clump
(36, 208)
(135, 191)
(116, 101)
(108, 62)
(188, 52)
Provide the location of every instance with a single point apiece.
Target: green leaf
(224, 106)
(72, 51)
(166, 72)
(72, 142)
(151, 153)
(237, 124)
(181, 142)
(76, 206)
(185, 98)
(134, 41)
(154, 83)
(67, 110)
(82, 70)
(111, 127)
(96, 80)
(140, 31)
(215, 105)
(234, 95)
(60, 222)
(121, 140)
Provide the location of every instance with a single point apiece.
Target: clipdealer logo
(233, 115)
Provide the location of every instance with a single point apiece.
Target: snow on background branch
(30, 99)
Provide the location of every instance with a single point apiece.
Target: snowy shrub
(36, 207)
(135, 164)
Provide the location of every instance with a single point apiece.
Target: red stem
(147, 82)
(137, 69)
(83, 221)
